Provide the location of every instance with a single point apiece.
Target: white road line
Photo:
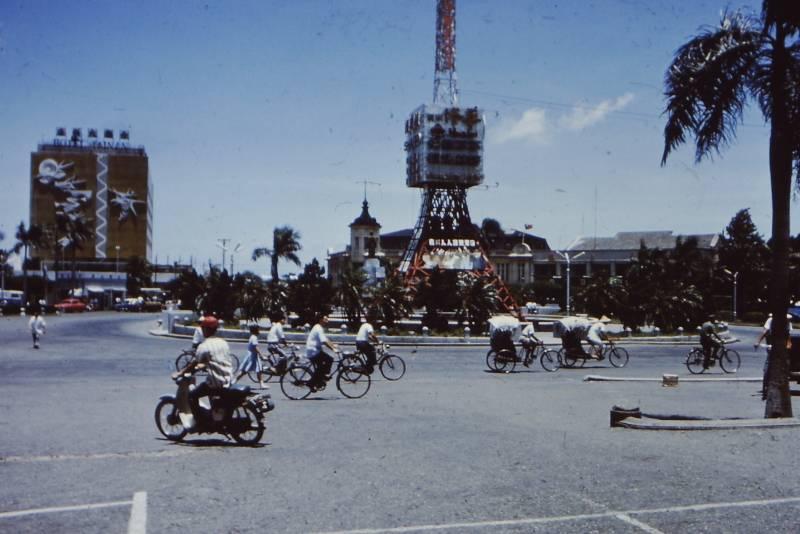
(556, 519)
(100, 456)
(644, 526)
(54, 509)
(138, 521)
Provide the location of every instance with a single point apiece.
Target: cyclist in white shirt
(322, 361)
(364, 343)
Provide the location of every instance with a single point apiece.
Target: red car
(70, 305)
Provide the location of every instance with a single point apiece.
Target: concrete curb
(646, 423)
(600, 378)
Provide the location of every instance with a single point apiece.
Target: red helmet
(210, 322)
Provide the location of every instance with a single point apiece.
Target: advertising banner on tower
(453, 255)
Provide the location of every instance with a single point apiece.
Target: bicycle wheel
(729, 360)
(490, 363)
(618, 357)
(183, 360)
(568, 359)
(167, 420)
(353, 383)
(694, 361)
(505, 361)
(234, 362)
(294, 383)
(549, 360)
(392, 367)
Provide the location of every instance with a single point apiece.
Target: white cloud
(583, 117)
(532, 126)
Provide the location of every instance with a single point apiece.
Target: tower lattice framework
(445, 157)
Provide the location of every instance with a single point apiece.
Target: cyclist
(321, 360)
(364, 344)
(275, 338)
(572, 330)
(595, 336)
(710, 341)
(214, 353)
(529, 340)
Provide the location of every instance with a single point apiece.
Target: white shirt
(215, 353)
(198, 336)
(275, 333)
(37, 325)
(529, 332)
(364, 332)
(315, 340)
(595, 332)
(768, 325)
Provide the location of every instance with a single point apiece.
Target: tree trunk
(777, 395)
(25, 277)
(274, 267)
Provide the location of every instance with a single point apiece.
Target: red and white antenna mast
(445, 92)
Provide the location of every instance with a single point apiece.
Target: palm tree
(75, 233)
(478, 300)
(350, 293)
(285, 243)
(708, 84)
(27, 238)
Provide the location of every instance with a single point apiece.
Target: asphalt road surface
(449, 448)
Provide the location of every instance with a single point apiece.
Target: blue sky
(260, 114)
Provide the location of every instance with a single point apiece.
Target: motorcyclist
(214, 354)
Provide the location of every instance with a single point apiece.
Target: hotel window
(521, 272)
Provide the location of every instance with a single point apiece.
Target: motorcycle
(235, 412)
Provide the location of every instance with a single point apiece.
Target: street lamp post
(735, 277)
(566, 257)
(223, 244)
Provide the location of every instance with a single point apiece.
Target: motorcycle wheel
(255, 427)
(167, 420)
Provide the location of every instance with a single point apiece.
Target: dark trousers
(366, 348)
(710, 349)
(571, 343)
(322, 366)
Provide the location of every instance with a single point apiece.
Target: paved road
(450, 448)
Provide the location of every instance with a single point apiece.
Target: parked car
(71, 305)
(129, 305)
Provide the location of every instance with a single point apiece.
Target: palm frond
(707, 85)
(261, 251)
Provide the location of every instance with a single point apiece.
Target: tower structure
(444, 146)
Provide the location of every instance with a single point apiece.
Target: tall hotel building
(101, 183)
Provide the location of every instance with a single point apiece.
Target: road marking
(644, 526)
(138, 521)
(100, 456)
(557, 519)
(55, 509)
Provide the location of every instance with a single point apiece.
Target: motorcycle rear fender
(167, 397)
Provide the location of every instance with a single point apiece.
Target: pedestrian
(37, 326)
(253, 360)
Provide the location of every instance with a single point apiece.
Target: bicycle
(617, 356)
(392, 366)
(547, 358)
(729, 360)
(273, 364)
(187, 356)
(351, 378)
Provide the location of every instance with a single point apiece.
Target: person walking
(252, 362)
(37, 326)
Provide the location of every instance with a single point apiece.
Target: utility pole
(223, 244)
